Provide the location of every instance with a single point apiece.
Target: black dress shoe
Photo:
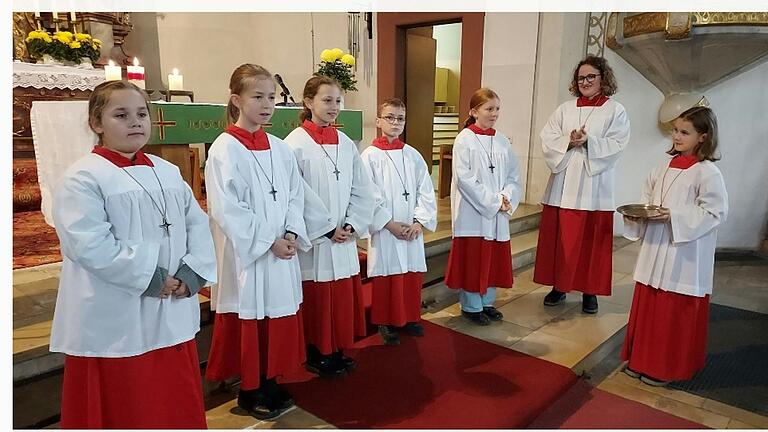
(389, 335)
(346, 363)
(414, 329)
(256, 403)
(478, 318)
(554, 298)
(325, 367)
(589, 303)
(492, 313)
(278, 397)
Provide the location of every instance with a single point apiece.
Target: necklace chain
(164, 211)
(405, 188)
(270, 179)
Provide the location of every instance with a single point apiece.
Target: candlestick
(112, 72)
(136, 73)
(175, 81)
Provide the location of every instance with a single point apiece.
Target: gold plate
(640, 210)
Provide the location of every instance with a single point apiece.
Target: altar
(61, 136)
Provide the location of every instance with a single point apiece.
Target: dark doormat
(736, 372)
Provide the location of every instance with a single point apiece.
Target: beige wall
(448, 56)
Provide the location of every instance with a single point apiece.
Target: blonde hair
(101, 96)
(704, 121)
(479, 97)
(391, 102)
(310, 91)
(243, 76)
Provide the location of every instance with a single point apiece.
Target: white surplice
(582, 178)
(348, 200)
(476, 192)
(679, 255)
(112, 242)
(389, 169)
(246, 221)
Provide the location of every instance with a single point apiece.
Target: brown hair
(391, 102)
(310, 90)
(100, 98)
(704, 121)
(241, 78)
(608, 84)
(479, 97)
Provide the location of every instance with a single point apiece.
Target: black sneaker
(280, 398)
(346, 363)
(256, 403)
(653, 381)
(414, 329)
(589, 303)
(389, 335)
(478, 318)
(554, 298)
(492, 313)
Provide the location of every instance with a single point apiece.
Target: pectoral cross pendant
(337, 172)
(273, 192)
(166, 226)
(491, 167)
(405, 195)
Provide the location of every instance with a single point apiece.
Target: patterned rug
(35, 242)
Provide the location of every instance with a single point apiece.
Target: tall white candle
(175, 81)
(112, 72)
(72, 17)
(55, 16)
(136, 73)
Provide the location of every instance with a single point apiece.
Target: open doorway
(432, 76)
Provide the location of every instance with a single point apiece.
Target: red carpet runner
(585, 407)
(443, 380)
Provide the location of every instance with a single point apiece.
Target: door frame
(390, 64)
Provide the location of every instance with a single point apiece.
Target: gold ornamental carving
(23, 23)
(729, 18)
(648, 22)
(611, 31)
(678, 26)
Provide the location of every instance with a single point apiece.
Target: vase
(85, 63)
(47, 59)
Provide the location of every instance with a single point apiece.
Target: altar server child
(339, 186)
(256, 202)
(405, 206)
(485, 191)
(136, 249)
(581, 143)
(666, 337)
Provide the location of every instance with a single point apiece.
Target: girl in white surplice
(667, 333)
(256, 202)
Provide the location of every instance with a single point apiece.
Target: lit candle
(112, 72)
(175, 81)
(136, 73)
(37, 14)
(72, 17)
(55, 16)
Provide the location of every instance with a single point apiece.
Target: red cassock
(334, 313)
(248, 348)
(667, 334)
(160, 389)
(575, 250)
(396, 299)
(476, 264)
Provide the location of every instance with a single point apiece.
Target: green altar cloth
(184, 123)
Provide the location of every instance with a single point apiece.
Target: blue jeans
(474, 302)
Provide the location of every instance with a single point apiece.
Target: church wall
(509, 63)
(207, 47)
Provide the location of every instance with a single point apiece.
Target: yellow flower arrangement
(63, 45)
(336, 64)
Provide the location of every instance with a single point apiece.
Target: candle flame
(135, 61)
(111, 63)
(175, 71)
